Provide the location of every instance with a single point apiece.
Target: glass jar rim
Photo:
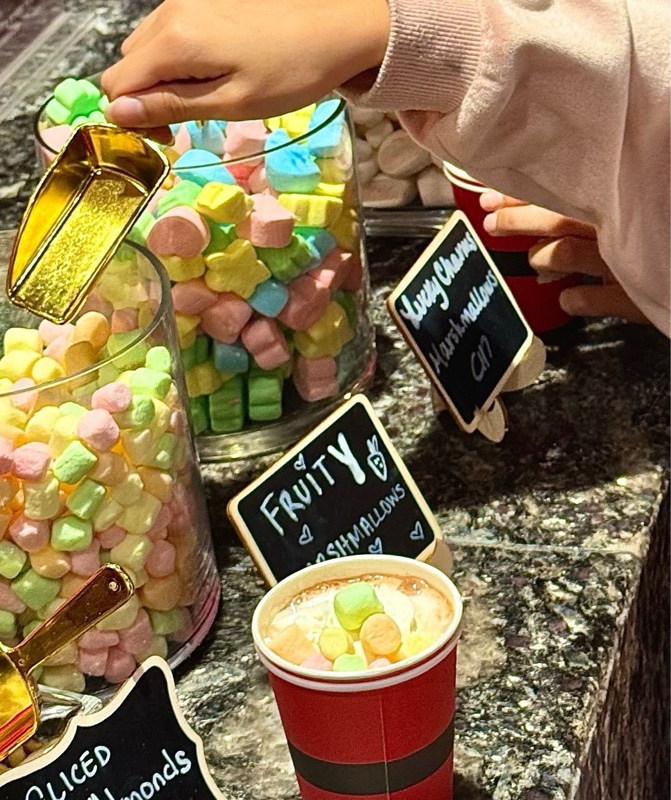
(143, 334)
(241, 160)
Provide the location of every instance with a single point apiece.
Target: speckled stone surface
(560, 548)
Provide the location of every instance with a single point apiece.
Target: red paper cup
(384, 734)
(539, 302)
(467, 193)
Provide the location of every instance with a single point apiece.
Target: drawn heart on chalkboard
(306, 536)
(299, 463)
(417, 533)
(376, 547)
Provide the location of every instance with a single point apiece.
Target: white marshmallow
(400, 157)
(363, 150)
(366, 117)
(434, 188)
(366, 171)
(378, 133)
(386, 192)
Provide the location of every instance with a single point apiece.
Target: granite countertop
(560, 547)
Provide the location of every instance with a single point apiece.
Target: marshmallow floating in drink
(367, 623)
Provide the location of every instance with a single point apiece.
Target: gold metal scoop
(86, 202)
(102, 594)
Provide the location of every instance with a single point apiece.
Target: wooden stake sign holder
(457, 314)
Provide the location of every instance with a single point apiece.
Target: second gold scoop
(102, 594)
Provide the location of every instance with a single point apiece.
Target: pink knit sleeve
(563, 103)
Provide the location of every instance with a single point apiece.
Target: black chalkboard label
(137, 748)
(459, 317)
(342, 491)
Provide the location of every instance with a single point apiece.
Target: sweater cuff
(431, 60)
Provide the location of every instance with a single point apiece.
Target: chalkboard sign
(459, 317)
(342, 491)
(137, 748)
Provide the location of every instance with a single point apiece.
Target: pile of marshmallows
(393, 170)
(262, 253)
(366, 637)
(93, 470)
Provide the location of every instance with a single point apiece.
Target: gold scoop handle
(108, 589)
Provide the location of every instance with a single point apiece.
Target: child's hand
(223, 59)
(567, 246)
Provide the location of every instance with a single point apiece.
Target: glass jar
(97, 465)
(271, 290)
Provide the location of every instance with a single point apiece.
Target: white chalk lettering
(350, 542)
(441, 353)
(173, 766)
(289, 506)
(445, 269)
(319, 464)
(346, 457)
(84, 768)
(270, 515)
(481, 359)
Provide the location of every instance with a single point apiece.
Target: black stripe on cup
(379, 777)
(513, 264)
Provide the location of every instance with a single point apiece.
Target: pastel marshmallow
(307, 302)
(30, 462)
(98, 429)
(29, 534)
(54, 138)
(201, 167)
(354, 604)
(315, 379)
(161, 561)
(92, 662)
(223, 203)
(192, 297)
(317, 661)
(269, 298)
(268, 225)
(266, 343)
(244, 139)
(181, 231)
(111, 536)
(225, 319)
(237, 269)
(86, 562)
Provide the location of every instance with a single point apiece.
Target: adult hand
(567, 246)
(223, 59)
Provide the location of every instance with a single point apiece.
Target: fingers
(492, 200)
(162, 135)
(526, 220)
(168, 103)
(140, 69)
(569, 254)
(600, 301)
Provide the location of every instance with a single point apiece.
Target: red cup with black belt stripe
(538, 301)
(378, 734)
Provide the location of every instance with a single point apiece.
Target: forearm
(563, 103)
